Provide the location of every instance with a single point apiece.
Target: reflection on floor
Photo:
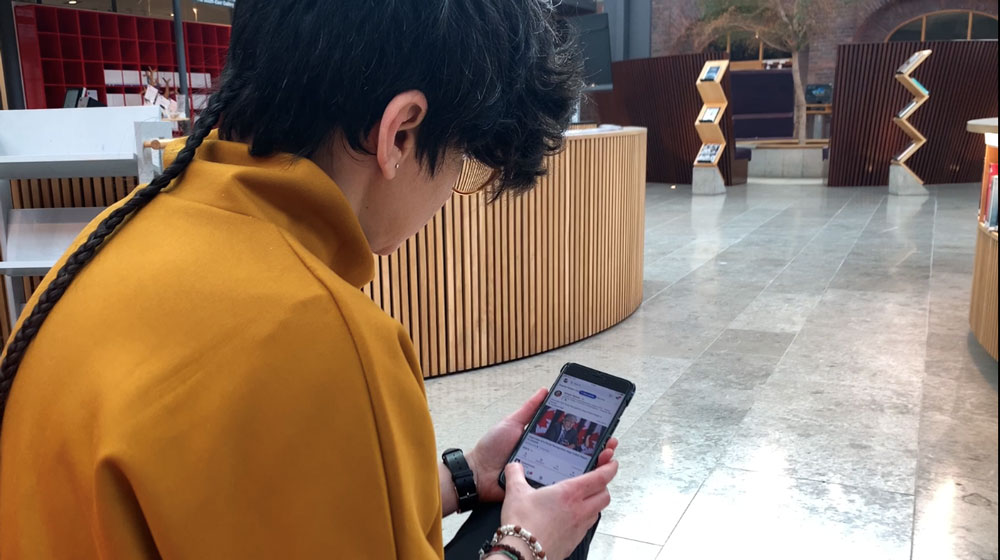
(807, 384)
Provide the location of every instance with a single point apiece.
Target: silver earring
(397, 166)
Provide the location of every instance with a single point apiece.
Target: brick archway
(885, 18)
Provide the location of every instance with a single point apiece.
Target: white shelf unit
(64, 143)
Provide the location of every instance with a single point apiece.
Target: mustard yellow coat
(215, 385)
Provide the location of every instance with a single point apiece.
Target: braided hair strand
(83, 254)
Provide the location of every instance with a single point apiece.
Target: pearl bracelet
(517, 531)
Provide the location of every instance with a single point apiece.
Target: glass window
(908, 32)
(743, 46)
(97, 5)
(947, 26)
(983, 27)
(771, 53)
(192, 11)
(718, 45)
(206, 12)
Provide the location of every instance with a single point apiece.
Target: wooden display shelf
(920, 96)
(66, 47)
(983, 303)
(714, 99)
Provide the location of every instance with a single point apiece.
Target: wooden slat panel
(863, 139)
(659, 94)
(58, 193)
(523, 275)
(983, 305)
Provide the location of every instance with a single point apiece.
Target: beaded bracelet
(508, 552)
(517, 531)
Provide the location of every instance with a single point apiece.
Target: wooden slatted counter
(486, 283)
(983, 304)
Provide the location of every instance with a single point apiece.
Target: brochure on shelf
(710, 114)
(906, 110)
(708, 153)
(711, 74)
(912, 61)
(919, 85)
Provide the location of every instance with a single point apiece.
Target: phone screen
(565, 436)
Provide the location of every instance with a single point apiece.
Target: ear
(397, 131)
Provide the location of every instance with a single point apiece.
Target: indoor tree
(782, 24)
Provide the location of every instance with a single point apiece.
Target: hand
(490, 455)
(558, 515)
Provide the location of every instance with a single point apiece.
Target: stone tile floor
(807, 383)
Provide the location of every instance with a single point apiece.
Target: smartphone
(572, 426)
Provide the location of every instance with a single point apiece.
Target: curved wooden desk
(487, 283)
(983, 304)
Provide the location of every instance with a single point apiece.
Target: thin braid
(84, 253)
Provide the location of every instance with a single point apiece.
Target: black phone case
(629, 393)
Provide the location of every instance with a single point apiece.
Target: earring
(397, 166)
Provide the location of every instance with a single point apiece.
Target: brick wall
(853, 21)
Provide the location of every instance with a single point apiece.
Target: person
(564, 432)
(201, 376)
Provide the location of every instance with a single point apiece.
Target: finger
(612, 443)
(595, 481)
(524, 414)
(605, 456)
(514, 475)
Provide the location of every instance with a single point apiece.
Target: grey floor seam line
(927, 333)
(640, 541)
(686, 508)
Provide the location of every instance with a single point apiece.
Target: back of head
(500, 77)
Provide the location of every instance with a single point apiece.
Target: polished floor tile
(741, 514)
(955, 518)
(807, 384)
(606, 547)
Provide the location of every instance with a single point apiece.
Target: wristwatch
(463, 477)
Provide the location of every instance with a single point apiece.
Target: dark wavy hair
(501, 78)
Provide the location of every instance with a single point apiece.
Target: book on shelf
(710, 114)
(906, 110)
(906, 152)
(991, 213)
(991, 175)
(911, 62)
(711, 74)
(920, 86)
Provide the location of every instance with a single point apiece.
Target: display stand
(902, 179)
(983, 303)
(63, 143)
(706, 178)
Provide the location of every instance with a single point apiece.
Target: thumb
(514, 473)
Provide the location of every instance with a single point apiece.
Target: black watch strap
(463, 477)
